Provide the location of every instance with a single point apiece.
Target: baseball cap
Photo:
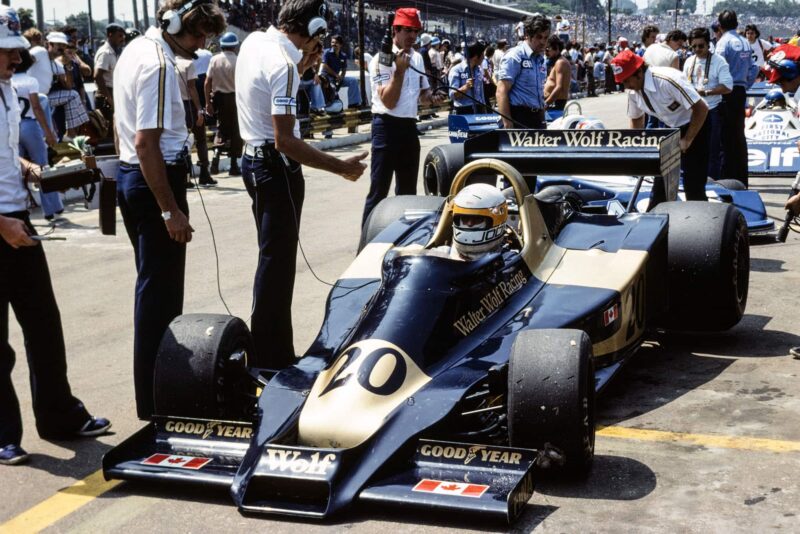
(10, 36)
(780, 56)
(114, 27)
(408, 17)
(625, 64)
(57, 38)
(622, 40)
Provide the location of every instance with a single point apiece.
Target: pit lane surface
(701, 433)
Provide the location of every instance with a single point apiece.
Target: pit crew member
(154, 166)
(468, 79)
(396, 92)
(521, 77)
(267, 75)
(709, 75)
(104, 62)
(219, 89)
(25, 286)
(666, 93)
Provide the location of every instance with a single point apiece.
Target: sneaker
(95, 426)
(208, 182)
(13, 455)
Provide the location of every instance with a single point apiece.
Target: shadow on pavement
(85, 461)
(613, 478)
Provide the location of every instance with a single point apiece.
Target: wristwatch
(166, 215)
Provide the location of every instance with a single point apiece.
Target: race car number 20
(361, 364)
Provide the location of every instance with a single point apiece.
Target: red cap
(625, 64)
(778, 54)
(408, 17)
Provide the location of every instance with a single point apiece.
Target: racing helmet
(590, 124)
(480, 213)
(775, 98)
(228, 40)
(566, 122)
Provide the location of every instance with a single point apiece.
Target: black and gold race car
(445, 384)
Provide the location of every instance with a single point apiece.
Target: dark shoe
(795, 352)
(189, 184)
(234, 170)
(208, 182)
(204, 174)
(215, 165)
(13, 455)
(49, 217)
(95, 426)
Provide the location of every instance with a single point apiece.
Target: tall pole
(609, 21)
(91, 25)
(362, 77)
(135, 14)
(145, 14)
(677, 4)
(111, 17)
(40, 15)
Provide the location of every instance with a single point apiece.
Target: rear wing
(597, 152)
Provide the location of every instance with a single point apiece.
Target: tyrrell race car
(442, 163)
(440, 384)
(772, 131)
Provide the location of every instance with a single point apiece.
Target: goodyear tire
(194, 373)
(441, 165)
(551, 396)
(733, 185)
(708, 265)
(391, 209)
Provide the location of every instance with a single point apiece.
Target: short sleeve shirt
(667, 94)
(659, 55)
(337, 62)
(707, 74)
(413, 84)
(458, 77)
(187, 74)
(25, 84)
(266, 81)
(527, 73)
(736, 50)
(202, 61)
(106, 59)
(13, 195)
(222, 71)
(760, 47)
(147, 96)
(41, 69)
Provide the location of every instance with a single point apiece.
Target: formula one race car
(443, 162)
(772, 131)
(442, 384)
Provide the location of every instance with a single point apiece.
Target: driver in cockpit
(775, 99)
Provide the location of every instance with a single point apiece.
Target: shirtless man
(556, 88)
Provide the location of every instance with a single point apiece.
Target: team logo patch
(616, 68)
(457, 489)
(777, 56)
(175, 461)
(674, 106)
(611, 315)
(284, 101)
(526, 64)
(773, 118)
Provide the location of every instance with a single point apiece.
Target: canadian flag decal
(451, 488)
(611, 315)
(181, 462)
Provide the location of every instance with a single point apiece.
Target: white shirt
(436, 58)
(106, 59)
(202, 61)
(413, 83)
(41, 68)
(718, 74)
(25, 84)
(497, 58)
(759, 48)
(187, 75)
(147, 96)
(659, 55)
(13, 195)
(266, 84)
(669, 94)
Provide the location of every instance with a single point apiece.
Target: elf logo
(776, 157)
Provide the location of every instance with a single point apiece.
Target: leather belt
(258, 151)
(178, 163)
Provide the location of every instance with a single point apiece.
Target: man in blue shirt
(735, 49)
(334, 68)
(521, 77)
(468, 79)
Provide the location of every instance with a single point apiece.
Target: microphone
(386, 55)
(184, 50)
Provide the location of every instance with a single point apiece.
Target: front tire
(441, 165)
(551, 395)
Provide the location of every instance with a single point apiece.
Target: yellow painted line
(59, 506)
(721, 442)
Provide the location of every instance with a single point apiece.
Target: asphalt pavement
(699, 433)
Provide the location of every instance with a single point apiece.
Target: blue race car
(772, 130)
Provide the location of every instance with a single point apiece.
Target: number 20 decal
(361, 367)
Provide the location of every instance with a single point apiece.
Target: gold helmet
(480, 213)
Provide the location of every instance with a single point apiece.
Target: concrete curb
(363, 137)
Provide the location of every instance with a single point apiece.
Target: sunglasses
(698, 46)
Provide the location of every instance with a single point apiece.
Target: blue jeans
(353, 91)
(715, 143)
(33, 148)
(314, 91)
(48, 111)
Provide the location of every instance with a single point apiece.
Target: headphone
(318, 24)
(171, 20)
(786, 67)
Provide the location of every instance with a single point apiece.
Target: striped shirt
(147, 96)
(266, 84)
(667, 94)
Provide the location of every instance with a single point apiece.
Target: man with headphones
(154, 165)
(783, 68)
(267, 78)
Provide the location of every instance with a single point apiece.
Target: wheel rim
(236, 391)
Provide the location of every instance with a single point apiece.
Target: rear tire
(551, 395)
(708, 265)
(441, 165)
(391, 209)
(194, 375)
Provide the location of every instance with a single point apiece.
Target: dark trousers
(715, 143)
(530, 118)
(160, 267)
(694, 168)
(734, 144)
(590, 89)
(277, 192)
(25, 286)
(395, 151)
(652, 122)
(199, 131)
(227, 114)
